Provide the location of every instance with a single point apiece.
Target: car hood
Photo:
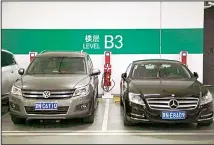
(52, 82)
(161, 87)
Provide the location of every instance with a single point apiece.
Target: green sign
(96, 41)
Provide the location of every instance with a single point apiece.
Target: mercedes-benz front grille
(53, 94)
(188, 103)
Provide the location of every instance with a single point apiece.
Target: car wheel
(97, 95)
(121, 101)
(90, 118)
(205, 123)
(17, 120)
(126, 122)
(97, 98)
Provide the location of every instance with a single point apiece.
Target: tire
(97, 98)
(90, 119)
(17, 120)
(126, 122)
(205, 123)
(97, 95)
(121, 101)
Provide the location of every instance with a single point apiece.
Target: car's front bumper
(67, 108)
(138, 114)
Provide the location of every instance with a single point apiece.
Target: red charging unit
(107, 69)
(183, 57)
(32, 55)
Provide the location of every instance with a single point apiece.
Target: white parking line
(110, 133)
(78, 131)
(105, 119)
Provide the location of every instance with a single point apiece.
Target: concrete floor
(107, 128)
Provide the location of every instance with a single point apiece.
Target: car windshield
(57, 65)
(154, 70)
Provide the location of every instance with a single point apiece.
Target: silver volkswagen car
(56, 85)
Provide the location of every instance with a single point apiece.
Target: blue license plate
(173, 115)
(46, 106)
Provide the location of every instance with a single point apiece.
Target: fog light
(141, 116)
(135, 109)
(13, 106)
(83, 107)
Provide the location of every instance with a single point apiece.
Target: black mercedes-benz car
(164, 91)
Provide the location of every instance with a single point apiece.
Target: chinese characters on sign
(110, 41)
(91, 42)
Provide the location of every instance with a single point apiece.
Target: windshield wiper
(172, 77)
(65, 73)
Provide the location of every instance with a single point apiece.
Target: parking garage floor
(107, 128)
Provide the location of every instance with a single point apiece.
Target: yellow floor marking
(116, 99)
(99, 100)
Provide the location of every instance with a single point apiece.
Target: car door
(6, 71)
(122, 82)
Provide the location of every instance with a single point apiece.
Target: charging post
(32, 55)
(107, 81)
(183, 57)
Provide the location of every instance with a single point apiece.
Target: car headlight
(82, 91)
(135, 98)
(16, 91)
(206, 98)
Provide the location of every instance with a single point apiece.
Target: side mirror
(95, 72)
(21, 71)
(123, 76)
(195, 75)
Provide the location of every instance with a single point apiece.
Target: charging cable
(106, 88)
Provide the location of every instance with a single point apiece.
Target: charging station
(32, 55)
(107, 83)
(183, 57)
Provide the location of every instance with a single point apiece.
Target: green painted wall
(176, 40)
(135, 41)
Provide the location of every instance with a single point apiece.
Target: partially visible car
(10, 74)
(164, 91)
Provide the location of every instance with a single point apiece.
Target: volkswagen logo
(46, 94)
(173, 104)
